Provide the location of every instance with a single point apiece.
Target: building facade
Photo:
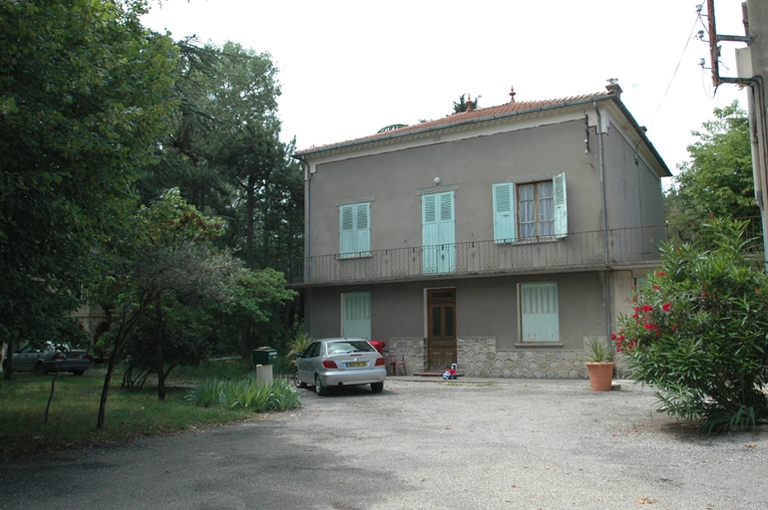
(502, 239)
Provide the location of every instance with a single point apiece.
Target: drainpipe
(307, 248)
(608, 304)
(757, 129)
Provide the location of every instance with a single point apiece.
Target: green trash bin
(264, 356)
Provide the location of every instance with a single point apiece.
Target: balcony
(577, 251)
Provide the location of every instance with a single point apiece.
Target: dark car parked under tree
(49, 357)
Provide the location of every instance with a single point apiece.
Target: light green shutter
(356, 315)
(347, 237)
(363, 228)
(561, 209)
(429, 238)
(539, 312)
(504, 212)
(438, 233)
(354, 230)
(446, 261)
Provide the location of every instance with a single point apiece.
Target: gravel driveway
(471, 444)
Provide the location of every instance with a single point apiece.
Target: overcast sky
(349, 68)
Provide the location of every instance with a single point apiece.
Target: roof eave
(441, 127)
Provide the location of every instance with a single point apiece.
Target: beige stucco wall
(485, 307)
(392, 182)
(633, 190)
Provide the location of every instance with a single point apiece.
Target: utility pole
(752, 65)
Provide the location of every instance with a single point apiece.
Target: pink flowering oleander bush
(699, 331)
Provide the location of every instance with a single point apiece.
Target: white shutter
(561, 208)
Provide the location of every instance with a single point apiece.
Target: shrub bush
(247, 393)
(699, 331)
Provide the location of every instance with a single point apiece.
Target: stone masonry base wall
(478, 357)
(414, 349)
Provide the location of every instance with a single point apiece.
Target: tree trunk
(160, 363)
(105, 388)
(8, 355)
(120, 338)
(53, 387)
(249, 221)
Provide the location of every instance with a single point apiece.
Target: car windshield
(349, 346)
(59, 346)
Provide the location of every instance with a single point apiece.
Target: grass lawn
(75, 405)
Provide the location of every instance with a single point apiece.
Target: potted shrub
(299, 344)
(600, 366)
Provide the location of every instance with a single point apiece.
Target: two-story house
(502, 238)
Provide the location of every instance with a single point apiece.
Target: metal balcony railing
(576, 251)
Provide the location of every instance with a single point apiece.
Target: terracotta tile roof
(475, 115)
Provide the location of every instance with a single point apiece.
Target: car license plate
(357, 364)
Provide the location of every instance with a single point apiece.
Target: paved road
(475, 444)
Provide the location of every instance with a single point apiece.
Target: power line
(685, 48)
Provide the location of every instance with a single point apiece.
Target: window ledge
(539, 344)
(356, 255)
(532, 240)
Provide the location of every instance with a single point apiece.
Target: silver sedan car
(332, 362)
(50, 357)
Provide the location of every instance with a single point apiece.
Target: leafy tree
(170, 292)
(84, 91)
(392, 127)
(169, 253)
(463, 104)
(247, 146)
(183, 155)
(179, 331)
(718, 181)
(697, 334)
(225, 154)
(249, 319)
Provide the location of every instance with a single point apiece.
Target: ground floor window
(539, 312)
(356, 315)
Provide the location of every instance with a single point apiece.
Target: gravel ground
(421, 444)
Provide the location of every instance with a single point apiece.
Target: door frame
(427, 318)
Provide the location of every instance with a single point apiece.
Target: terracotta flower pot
(600, 375)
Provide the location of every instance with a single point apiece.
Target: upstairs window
(537, 209)
(438, 233)
(541, 210)
(355, 230)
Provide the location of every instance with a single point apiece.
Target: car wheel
(40, 368)
(296, 381)
(78, 372)
(376, 387)
(319, 388)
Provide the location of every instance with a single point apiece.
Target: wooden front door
(441, 309)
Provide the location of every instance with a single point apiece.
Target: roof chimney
(613, 86)
(470, 104)
(512, 94)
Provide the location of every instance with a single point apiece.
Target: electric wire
(669, 85)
